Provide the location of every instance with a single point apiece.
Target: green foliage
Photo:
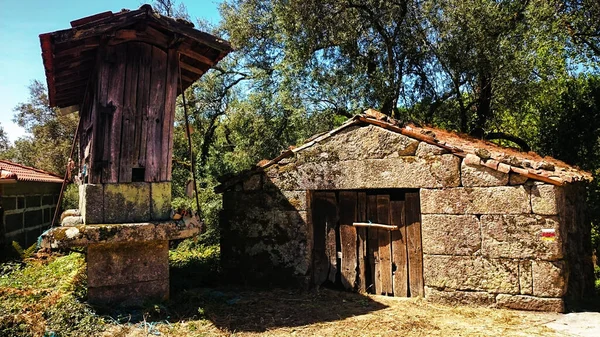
(43, 296)
(24, 253)
(4, 143)
(569, 129)
(194, 263)
(71, 197)
(51, 134)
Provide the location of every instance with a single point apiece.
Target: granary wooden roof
(70, 55)
(474, 151)
(10, 171)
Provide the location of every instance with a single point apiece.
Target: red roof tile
(14, 171)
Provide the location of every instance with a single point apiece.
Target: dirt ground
(332, 313)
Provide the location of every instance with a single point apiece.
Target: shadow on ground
(241, 309)
(261, 310)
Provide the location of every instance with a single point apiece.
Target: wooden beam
(75, 50)
(186, 50)
(374, 225)
(60, 87)
(187, 79)
(191, 68)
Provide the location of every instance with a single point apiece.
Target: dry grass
(333, 313)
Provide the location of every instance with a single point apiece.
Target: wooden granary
(122, 72)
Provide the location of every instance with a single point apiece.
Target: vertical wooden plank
(361, 233)
(143, 104)
(324, 213)
(415, 251)
(171, 95)
(115, 98)
(399, 253)
(348, 213)
(374, 276)
(156, 115)
(126, 160)
(385, 248)
(99, 116)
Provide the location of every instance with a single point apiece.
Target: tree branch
(501, 135)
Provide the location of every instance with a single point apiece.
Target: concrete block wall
(28, 210)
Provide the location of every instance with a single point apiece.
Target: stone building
(28, 200)
(405, 210)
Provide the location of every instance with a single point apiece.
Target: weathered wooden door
(368, 241)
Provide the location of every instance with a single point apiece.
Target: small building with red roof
(28, 198)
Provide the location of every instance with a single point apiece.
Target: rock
(450, 234)
(126, 202)
(483, 154)
(519, 237)
(69, 212)
(525, 277)
(471, 273)
(128, 273)
(545, 199)
(366, 142)
(549, 278)
(516, 179)
(91, 203)
(401, 172)
(160, 199)
(72, 221)
(544, 165)
(481, 176)
(521, 302)
(476, 200)
(426, 149)
(455, 297)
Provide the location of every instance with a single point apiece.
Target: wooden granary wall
(128, 114)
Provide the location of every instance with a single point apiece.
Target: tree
(489, 56)
(341, 56)
(51, 133)
(581, 19)
(4, 142)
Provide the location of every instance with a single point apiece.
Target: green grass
(44, 295)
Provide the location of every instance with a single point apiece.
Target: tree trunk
(484, 104)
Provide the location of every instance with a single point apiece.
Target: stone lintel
(402, 172)
(85, 235)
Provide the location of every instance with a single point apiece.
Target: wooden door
(355, 247)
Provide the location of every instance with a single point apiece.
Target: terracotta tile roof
(474, 151)
(18, 172)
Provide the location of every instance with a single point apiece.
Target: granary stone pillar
(123, 72)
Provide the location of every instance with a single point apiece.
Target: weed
(40, 297)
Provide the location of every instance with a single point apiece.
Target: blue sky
(21, 22)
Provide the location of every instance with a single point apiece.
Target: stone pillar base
(128, 273)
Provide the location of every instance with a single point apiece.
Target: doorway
(368, 241)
